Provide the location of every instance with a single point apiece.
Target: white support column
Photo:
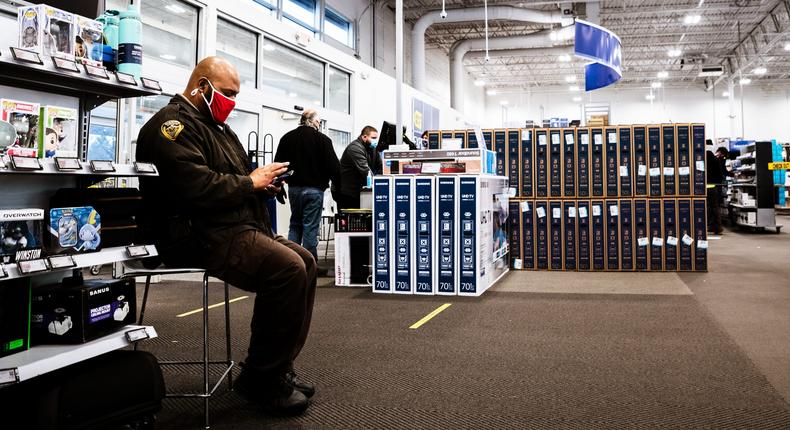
(398, 72)
(731, 100)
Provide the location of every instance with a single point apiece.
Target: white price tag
(687, 240)
(702, 244)
(669, 171)
(572, 212)
(569, 139)
(542, 140)
(643, 241)
(612, 138)
(672, 241)
(598, 139)
(655, 171)
(555, 139)
(541, 212)
(517, 264)
(524, 206)
(614, 210)
(582, 212)
(684, 171)
(642, 171)
(585, 139)
(511, 192)
(526, 135)
(701, 165)
(596, 210)
(623, 170)
(556, 213)
(658, 241)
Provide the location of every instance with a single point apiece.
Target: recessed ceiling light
(691, 19)
(650, 97)
(655, 85)
(674, 53)
(491, 92)
(504, 102)
(570, 78)
(175, 8)
(480, 83)
(577, 99)
(725, 94)
(745, 81)
(573, 88)
(760, 70)
(269, 47)
(662, 74)
(564, 58)
(292, 94)
(168, 57)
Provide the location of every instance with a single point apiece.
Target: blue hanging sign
(603, 48)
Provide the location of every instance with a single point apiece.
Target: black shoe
(305, 388)
(274, 395)
(321, 272)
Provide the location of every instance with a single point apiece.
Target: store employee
(207, 209)
(359, 159)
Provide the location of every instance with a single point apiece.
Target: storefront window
(243, 123)
(239, 46)
(340, 140)
(338, 28)
(288, 73)
(302, 11)
(339, 91)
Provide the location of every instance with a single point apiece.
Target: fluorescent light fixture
(745, 81)
(175, 8)
(480, 83)
(564, 58)
(168, 57)
(650, 97)
(760, 70)
(577, 99)
(691, 19)
(787, 46)
(655, 85)
(725, 94)
(662, 74)
(269, 48)
(491, 92)
(674, 53)
(573, 88)
(570, 78)
(292, 94)
(504, 102)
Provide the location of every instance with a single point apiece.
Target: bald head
(222, 75)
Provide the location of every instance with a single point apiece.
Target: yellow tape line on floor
(197, 311)
(428, 317)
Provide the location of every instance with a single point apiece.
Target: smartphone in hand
(280, 179)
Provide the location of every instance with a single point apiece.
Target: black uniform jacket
(203, 196)
(357, 160)
(312, 158)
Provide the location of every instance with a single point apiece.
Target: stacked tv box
(616, 198)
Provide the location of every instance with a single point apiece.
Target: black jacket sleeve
(332, 163)
(359, 157)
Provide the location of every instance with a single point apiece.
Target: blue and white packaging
(403, 213)
(382, 226)
(446, 212)
(425, 273)
(74, 230)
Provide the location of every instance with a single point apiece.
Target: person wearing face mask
(207, 209)
(359, 158)
(314, 163)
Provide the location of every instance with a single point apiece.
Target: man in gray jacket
(359, 158)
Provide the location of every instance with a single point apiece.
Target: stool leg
(227, 337)
(142, 307)
(205, 349)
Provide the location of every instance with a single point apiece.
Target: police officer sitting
(208, 209)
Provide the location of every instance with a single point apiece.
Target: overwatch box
(46, 30)
(569, 163)
(74, 230)
(555, 164)
(24, 117)
(382, 226)
(79, 314)
(57, 135)
(22, 234)
(14, 316)
(88, 36)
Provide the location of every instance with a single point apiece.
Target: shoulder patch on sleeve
(170, 129)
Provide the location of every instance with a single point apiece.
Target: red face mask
(220, 105)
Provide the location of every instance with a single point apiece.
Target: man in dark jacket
(715, 179)
(208, 209)
(359, 159)
(314, 163)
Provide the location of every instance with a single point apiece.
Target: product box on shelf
(669, 170)
(641, 235)
(88, 41)
(488, 136)
(382, 227)
(626, 235)
(598, 171)
(671, 240)
(403, 211)
(78, 314)
(542, 163)
(656, 236)
(527, 164)
(555, 163)
(569, 162)
(434, 137)
(514, 160)
(583, 163)
(471, 139)
(460, 135)
(625, 170)
(685, 234)
(46, 30)
(528, 234)
(73, 230)
(683, 136)
(542, 235)
(514, 233)
(14, 316)
(556, 244)
(700, 236)
(500, 147)
(598, 239)
(612, 173)
(425, 235)
(24, 116)
(640, 160)
(612, 235)
(446, 211)
(22, 234)
(445, 136)
(698, 151)
(583, 211)
(654, 150)
(569, 225)
(57, 135)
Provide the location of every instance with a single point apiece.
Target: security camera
(443, 15)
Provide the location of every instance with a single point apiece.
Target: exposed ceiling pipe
(534, 52)
(509, 13)
(540, 39)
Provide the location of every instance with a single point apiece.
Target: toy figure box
(62, 314)
(46, 30)
(57, 136)
(88, 44)
(22, 233)
(74, 230)
(24, 117)
(14, 316)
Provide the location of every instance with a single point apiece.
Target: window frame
(350, 36)
(314, 27)
(259, 41)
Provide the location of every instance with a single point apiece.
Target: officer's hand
(272, 190)
(262, 177)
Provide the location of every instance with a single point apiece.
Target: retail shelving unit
(751, 193)
(32, 188)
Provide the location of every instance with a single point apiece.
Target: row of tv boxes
(62, 313)
(609, 235)
(621, 161)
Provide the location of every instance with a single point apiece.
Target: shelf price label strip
(783, 165)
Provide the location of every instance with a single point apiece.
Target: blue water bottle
(110, 53)
(130, 39)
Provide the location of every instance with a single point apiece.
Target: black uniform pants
(282, 275)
